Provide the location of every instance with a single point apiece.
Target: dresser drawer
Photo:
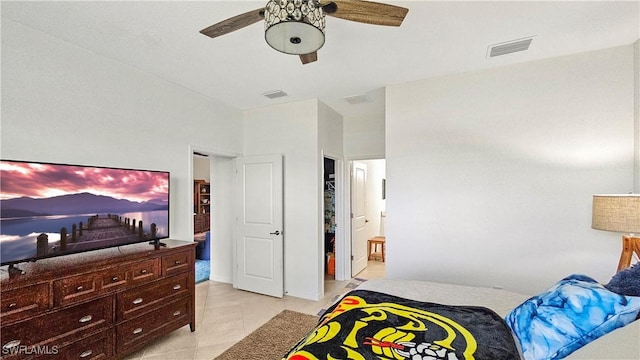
(113, 279)
(24, 302)
(177, 263)
(94, 347)
(133, 302)
(64, 325)
(168, 317)
(145, 271)
(75, 289)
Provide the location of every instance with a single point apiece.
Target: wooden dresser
(97, 305)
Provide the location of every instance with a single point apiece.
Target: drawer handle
(12, 305)
(137, 331)
(176, 313)
(79, 288)
(176, 287)
(143, 271)
(114, 279)
(137, 301)
(178, 262)
(86, 318)
(11, 344)
(86, 353)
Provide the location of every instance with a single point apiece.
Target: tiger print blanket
(370, 325)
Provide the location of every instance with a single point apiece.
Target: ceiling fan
(297, 26)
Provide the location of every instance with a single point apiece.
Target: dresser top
(90, 260)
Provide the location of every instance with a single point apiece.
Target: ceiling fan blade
(235, 23)
(308, 58)
(368, 12)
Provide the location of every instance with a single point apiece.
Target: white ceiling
(436, 38)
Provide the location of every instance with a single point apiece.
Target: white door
(358, 218)
(259, 238)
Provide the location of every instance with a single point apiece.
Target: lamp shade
(618, 213)
(294, 26)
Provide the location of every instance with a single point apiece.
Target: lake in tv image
(54, 209)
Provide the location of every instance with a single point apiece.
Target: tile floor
(225, 315)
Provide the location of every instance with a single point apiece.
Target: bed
(404, 319)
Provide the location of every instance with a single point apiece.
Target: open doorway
(215, 172)
(367, 203)
(329, 219)
(202, 202)
(201, 196)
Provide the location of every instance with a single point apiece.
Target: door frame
(343, 263)
(212, 153)
(340, 233)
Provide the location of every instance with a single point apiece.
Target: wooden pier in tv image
(99, 231)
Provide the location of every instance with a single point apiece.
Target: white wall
(61, 103)
(364, 136)
(490, 174)
(330, 131)
(292, 130)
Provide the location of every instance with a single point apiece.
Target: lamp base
(630, 245)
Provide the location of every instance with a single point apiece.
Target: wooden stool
(375, 241)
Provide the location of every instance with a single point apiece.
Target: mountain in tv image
(81, 203)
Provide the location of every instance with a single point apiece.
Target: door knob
(275, 233)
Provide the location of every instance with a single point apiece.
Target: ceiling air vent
(357, 99)
(509, 47)
(275, 94)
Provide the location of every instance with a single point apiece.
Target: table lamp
(619, 213)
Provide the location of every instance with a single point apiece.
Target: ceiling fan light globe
(296, 38)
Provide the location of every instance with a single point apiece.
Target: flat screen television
(49, 210)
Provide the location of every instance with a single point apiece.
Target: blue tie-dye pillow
(572, 313)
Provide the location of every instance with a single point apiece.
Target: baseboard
(222, 279)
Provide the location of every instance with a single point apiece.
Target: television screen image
(50, 209)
